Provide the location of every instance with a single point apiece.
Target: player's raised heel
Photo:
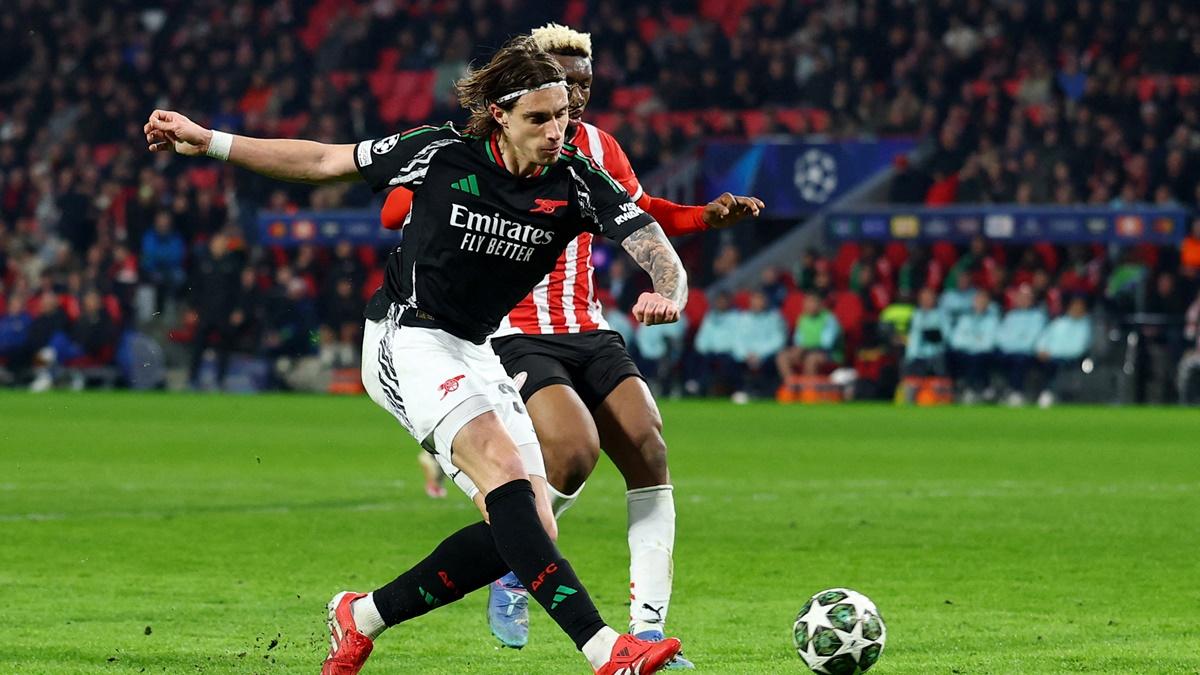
(677, 662)
(632, 655)
(508, 611)
(348, 648)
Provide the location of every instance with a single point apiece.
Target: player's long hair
(519, 64)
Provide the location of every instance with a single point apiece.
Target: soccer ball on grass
(839, 632)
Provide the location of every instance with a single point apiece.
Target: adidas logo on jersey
(467, 185)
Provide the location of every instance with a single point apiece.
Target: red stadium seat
(289, 127)
(389, 58)
(697, 307)
(103, 154)
(628, 98)
(340, 79)
(792, 308)
(818, 120)
(850, 313)
(754, 122)
(792, 119)
(113, 307)
(648, 29)
(609, 121)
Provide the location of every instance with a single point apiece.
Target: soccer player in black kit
(493, 208)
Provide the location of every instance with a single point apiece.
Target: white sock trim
(560, 502)
(366, 616)
(649, 491)
(598, 649)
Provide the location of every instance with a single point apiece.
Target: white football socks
(560, 502)
(651, 543)
(599, 648)
(366, 616)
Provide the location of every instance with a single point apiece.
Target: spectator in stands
(773, 286)
(1189, 252)
(909, 185)
(340, 325)
(292, 328)
(1061, 347)
(1162, 339)
(761, 333)
(1016, 341)
(806, 269)
(213, 293)
(924, 355)
(958, 300)
(95, 332)
(246, 318)
(659, 352)
(48, 338)
(815, 341)
(1191, 357)
(715, 369)
(973, 342)
(14, 335)
(619, 322)
(163, 252)
(1124, 281)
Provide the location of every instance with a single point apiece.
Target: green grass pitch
(184, 534)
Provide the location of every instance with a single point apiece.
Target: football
(839, 632)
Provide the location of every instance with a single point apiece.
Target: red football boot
(631, 656)
(348, 648)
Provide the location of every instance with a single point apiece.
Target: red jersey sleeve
(617, 165)
(396, 208)
(675, 219)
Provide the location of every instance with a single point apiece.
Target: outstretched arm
(651, 249)
(285, 159)
(722, 212)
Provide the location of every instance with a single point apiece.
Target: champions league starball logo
(816, 176)
(384, 145)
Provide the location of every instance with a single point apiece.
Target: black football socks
(465, 561)
(528, 551)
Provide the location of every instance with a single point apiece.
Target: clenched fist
(652, 309)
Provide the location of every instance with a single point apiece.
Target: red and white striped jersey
(564, 301)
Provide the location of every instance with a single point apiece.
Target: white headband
(521, 92)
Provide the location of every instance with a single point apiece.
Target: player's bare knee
(654, 453)
(570, 462)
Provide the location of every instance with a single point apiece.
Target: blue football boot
(508, 611)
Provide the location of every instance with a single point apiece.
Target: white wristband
(218, 146)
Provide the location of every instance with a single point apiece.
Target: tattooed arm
(653, 252)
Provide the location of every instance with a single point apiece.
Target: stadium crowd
(1052, 102)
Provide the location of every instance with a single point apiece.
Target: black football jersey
(478, 238)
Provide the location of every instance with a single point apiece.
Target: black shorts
(591, 363)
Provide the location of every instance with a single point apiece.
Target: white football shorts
(434, 383)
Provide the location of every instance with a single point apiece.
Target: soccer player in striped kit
(578, 381)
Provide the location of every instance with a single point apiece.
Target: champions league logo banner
(324, 228)
(1131, 225)
(795, 179)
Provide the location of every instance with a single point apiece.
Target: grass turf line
(993, 540)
